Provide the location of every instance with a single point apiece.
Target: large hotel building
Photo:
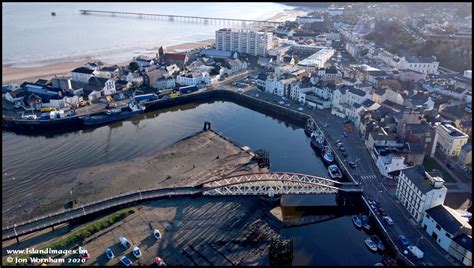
(244, 41)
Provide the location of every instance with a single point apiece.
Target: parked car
(404, 241)
(157, 234)
(83, 254)
(125, 242)
(300, 109)
(382, 212)
(388, 220)
(125, 261)
(109, 253)
(342, 149)
(352, 164)
(326, 125)
(136, 252)
(344, 154)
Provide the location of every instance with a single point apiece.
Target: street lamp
(421, 237)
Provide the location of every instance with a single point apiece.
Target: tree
(133, 66)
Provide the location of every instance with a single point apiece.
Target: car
(287, 105)
(352, 164)
(300, 109)
(83, 254)
(125, 261)
(342, 149)
(338, 141)
(388, 220)
(449, 166)
(256, 95)
(326, 125)
(157, 234)
(403, 240)
(136, 252)
(124, 242)
(109, 253)
(344, 154)
(281, 102)
(344, 134)
(382, 212)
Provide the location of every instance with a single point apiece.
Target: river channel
(28, 161)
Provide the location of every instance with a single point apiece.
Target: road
(375, 186)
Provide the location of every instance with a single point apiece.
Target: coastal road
(375, 186)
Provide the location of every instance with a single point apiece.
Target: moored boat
(370, 244)
(328, 157)
(365, 222)
(357, 221)
(334, 172)
(378, 242)
(317, 140)
(112, 115)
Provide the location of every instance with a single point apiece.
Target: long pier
(179, 18)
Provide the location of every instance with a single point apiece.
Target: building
(165, 82)
(214, 53)
(317, 60)
(465, 156)
(245, 41)
(81, 74)
(449, 139)
(427, 65)
(444, 225)
(388, 162)
(280, 87)
(461, 248)
(306, 19)
(419, 191)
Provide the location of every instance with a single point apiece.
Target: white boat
(378, 242)
(357, 221)
(328, 157)
(370, 244)
(334, 172)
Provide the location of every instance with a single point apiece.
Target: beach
(48, 69)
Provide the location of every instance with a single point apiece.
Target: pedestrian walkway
(369, 177)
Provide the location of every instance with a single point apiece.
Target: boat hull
(357, 222)
(371, 245)
(95, 121)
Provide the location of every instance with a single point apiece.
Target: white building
(449, 138)
(335, 11)
(468, 74)
(419, 191)
(81, 74)
(306, 19)
(247, 41)
(165, 82)
(193, 79)
(390, 163)
(317, 60)
(427, 65)
(280, 87)
(444, 225)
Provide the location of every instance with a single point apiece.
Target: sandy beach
(197, 159)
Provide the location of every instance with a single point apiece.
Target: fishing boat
(334, 172)
(357, 221)
(370, 244)
(365, 222)
(328, 157)
(378, 242)
(112, 115)
(317, 140)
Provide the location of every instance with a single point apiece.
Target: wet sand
(200, 158)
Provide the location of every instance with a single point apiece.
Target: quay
(180, 18)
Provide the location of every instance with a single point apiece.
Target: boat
(334, 172)
(53, 13)
(112, 115)
(328, 157)
(365, 222)
(308, 131)
(357, 221)
(370, 244)
(378, 242)
(317, 140)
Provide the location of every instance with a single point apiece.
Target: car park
(125, 261)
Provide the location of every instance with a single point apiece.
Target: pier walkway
(180, 18)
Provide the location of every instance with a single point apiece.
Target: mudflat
(202, 157)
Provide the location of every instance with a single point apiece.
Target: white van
(125, 242)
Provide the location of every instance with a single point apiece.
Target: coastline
(47, 70)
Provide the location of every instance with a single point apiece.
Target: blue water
(31, 36)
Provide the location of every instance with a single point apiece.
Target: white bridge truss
(274, 183)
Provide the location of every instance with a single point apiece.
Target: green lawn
(430, 164)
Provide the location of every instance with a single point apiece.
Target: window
(448, 235)
(438, 227)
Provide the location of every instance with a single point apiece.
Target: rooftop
(82, 70)
(447, 218)
(416, 174)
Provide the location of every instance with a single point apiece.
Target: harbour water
(28, 162)
(32, 37)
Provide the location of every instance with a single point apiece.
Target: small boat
(357, 221)
(378, 264)
(328, 157)
(317, 140)
(365, 222)
(308, 131)
(112, 115)
(370, 244)
(334, 172)
(378, 242)
(53, 13)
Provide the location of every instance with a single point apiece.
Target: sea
(32, 37)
